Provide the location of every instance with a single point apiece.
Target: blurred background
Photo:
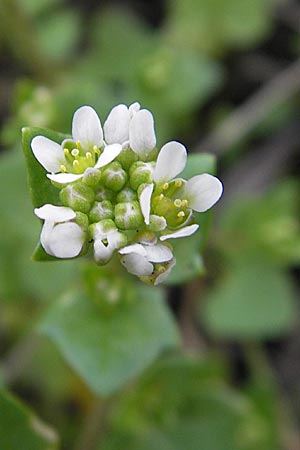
(223, 77)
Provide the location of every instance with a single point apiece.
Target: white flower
(138, 259)
(131, 127)
(199, 193)
(67, 165)
(107, 239)
(60, 237)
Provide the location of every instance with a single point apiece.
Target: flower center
(167, 201)
(77, 160)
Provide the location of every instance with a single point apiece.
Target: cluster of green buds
(118, 193)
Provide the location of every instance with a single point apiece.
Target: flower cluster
(118, 193)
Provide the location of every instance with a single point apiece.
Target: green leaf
(198, 163)
(41, 189)
(20, 429)
(189, 263)
(20, 278)
(108, 348)
(182, 402)
(254, 301)
(272, 233)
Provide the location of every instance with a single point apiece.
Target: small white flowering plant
(112, 191)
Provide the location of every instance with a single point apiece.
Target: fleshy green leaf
(108, 349)
(253, 301)
(20, 429)
(41, 189)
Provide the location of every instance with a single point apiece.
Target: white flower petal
(48, 153)
(110, 152)
(203, 191)
(86, 127)
(102, 253)
(116, 126)
(137, 264)
(158, 253)
(183, 232)
(134, 108)
(163, 276)
(45, 236)
(115, 239)
(64, 178)
(55, 213)
(66, 240)
(145, 202)
(171, 161)
(141, 132)
(133, 248)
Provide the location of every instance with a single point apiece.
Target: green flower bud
(77, 196)
(127, 157)
(128, 215)
(140, 172)
(101, 210)
(126, 195)
(82, 220)
(101, 228)
(114, 177)
(91, 176)
(105, 194)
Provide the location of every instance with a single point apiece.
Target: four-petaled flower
(61, 236)
(175, 198)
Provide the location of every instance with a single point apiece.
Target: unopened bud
(128, 215)
(127, 157)
(114, 177)
(91, 176)
(101, 210)
(140, 172)
(126, 195)
(78, 196)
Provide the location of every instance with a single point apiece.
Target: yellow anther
(75, 152)
(177, 202)
(63, 168)
(184, 203)
(66, 152)
(165, 186)
(178, 183)
(181, 214)
(88, 155)
(75, 164)
(78, 145)
(161, 269)
(96, 150)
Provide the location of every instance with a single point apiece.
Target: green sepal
(41, 189)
